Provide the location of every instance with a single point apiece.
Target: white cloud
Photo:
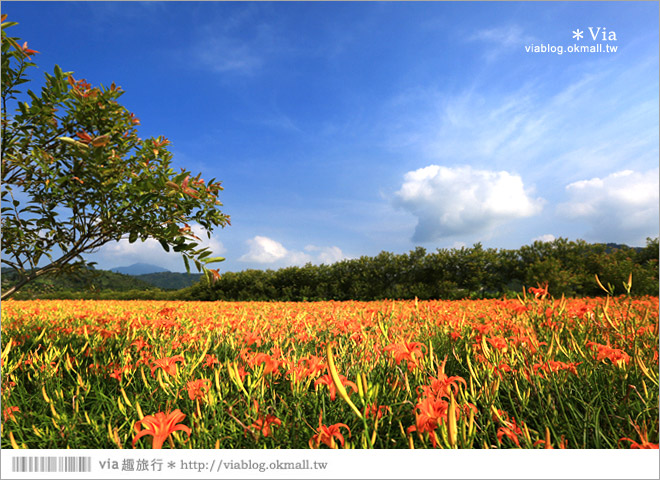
(241, 43)
(622, 207)
(501, 40)
(225, 54)
(554, 129)
(511, 35)
(461, 200)
(548, 237)
(264, 250)
(326, 255)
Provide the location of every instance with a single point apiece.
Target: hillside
(139, 269)
(87, 281)
(170, 280)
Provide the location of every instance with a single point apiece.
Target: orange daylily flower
(160, 426)
(615, 355)
(117, 371)
(8, 413)
(511, 429)
(441, 385)
(540, 292)
(552, 366)
(168, 364)
(644, 444)
(498, 343)
(264, 424)
(327, 435)
(313, 365)
(548, 445)
(510, 433)
(211, 360)
(429, 413)
(327, 380)
(198, 388)
(377, 410)
(139, 344)
(410, 351)
(270, 365)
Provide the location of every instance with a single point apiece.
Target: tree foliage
(75, 176)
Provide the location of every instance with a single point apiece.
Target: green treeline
(569, 267)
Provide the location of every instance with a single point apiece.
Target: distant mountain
(610, 247)
(139, 269)
(83, 281)
(170, 280)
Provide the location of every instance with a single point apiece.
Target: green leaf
(71, 141)
(186, 263)
(144, 199)
(132, 237)
(213, 259)
(164, 244)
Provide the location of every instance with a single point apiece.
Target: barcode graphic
(51, 464)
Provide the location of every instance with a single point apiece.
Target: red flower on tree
(84, 137)
(27, 51)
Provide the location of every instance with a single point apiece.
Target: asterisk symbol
(578, 34)
(171, 465)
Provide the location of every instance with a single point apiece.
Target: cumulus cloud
(620, 207)
(326, 255)
(461, 200)
(264, 250)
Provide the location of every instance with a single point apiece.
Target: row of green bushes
(569, 267)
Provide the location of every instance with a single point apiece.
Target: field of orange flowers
(532, 372)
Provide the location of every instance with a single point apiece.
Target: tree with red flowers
(75, 176)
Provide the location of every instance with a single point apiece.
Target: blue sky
(342, 129)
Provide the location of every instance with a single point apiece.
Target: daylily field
(531, 372)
